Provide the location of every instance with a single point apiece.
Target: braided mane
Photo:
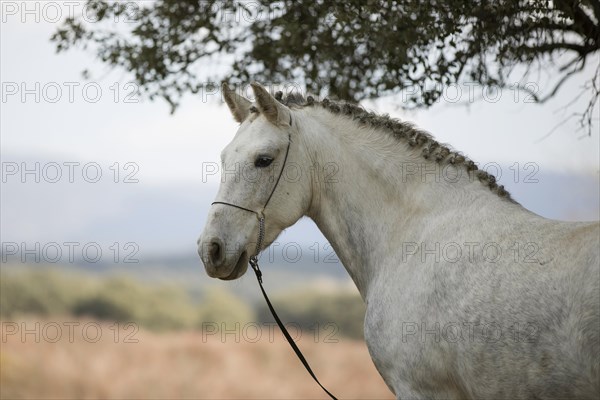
(404, 131)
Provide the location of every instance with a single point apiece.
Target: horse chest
(386, 326)
(406, 357)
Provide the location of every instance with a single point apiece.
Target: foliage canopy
(354, 49)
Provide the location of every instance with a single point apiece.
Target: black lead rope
(254, 264)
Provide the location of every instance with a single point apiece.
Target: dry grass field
(176, 365)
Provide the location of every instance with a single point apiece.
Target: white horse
(469, 295)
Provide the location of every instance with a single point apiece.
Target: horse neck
(366, 203)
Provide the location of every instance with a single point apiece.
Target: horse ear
(238, 105)
(273, 110)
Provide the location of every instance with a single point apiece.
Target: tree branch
(562, 81)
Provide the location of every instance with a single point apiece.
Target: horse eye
(263, 161)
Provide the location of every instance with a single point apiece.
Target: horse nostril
(215, 252)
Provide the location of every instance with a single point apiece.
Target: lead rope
(257, 271)
(254, 264)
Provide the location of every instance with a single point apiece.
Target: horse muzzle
(221, 262)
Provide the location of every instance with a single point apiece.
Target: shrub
(308, 307)
(220, 306)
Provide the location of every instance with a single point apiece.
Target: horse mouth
(239, 269)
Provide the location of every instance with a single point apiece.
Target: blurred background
(105, 189)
